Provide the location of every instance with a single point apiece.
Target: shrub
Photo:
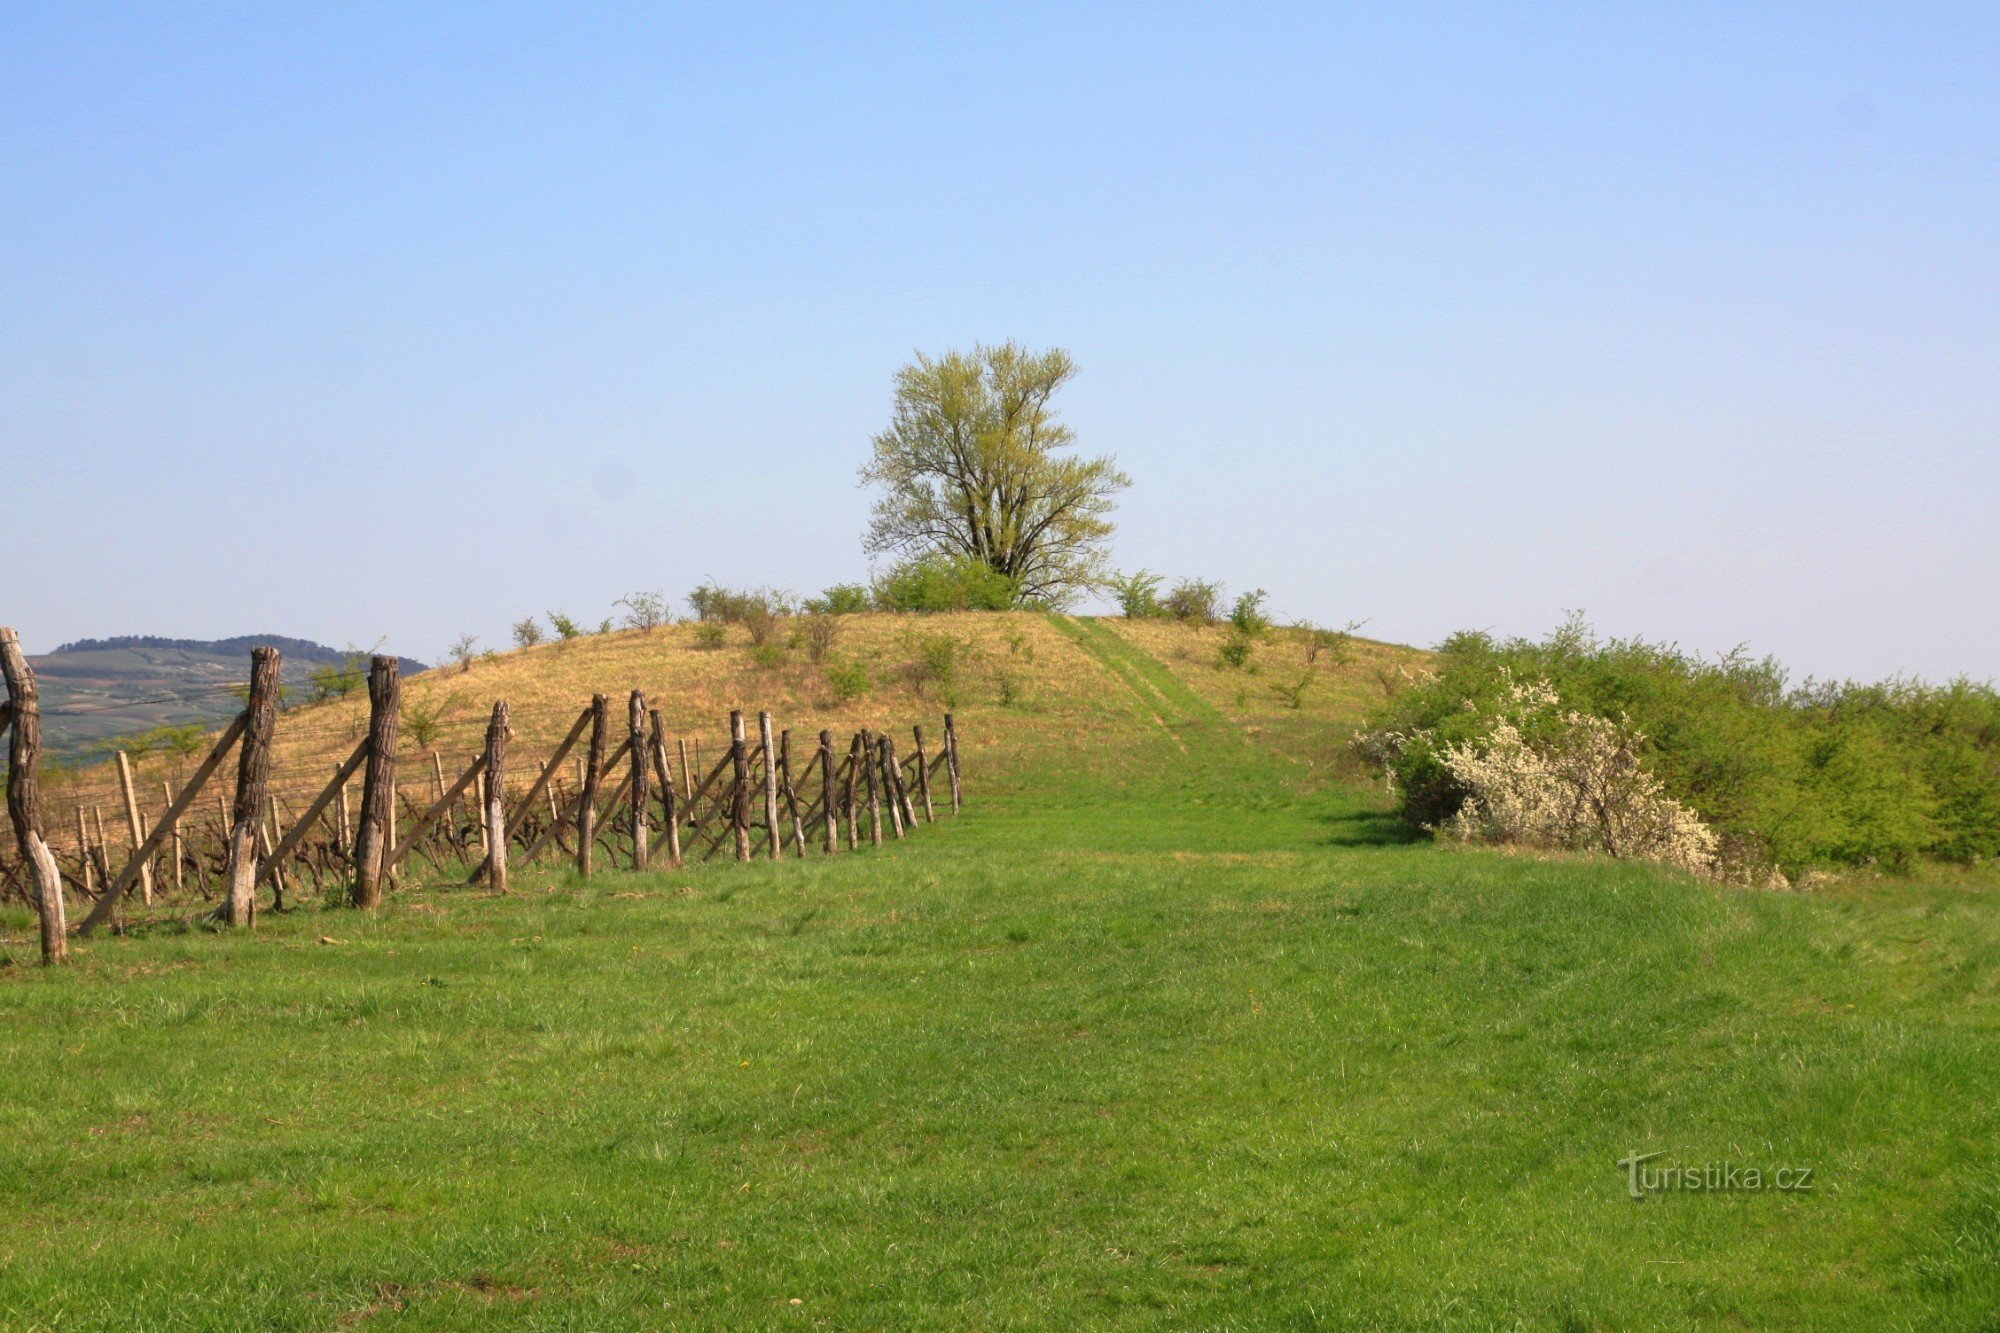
(1236, 649)
(945, 583)
(818, 631)
(842, 599)
(768, 655)
(1294, 692)
(710, 634)
(527, 632)
(566, 629)
(761, 621)
(1580, 786)
(1336, 645)
(731, 606)
(645, 610)
(1247, 617)
(424, 718)
(1194, 601)
(463, 650)
(939, 661)
(335, 680)
(1137, 595)
(1797, 778)
(848, 679)
(604, 626)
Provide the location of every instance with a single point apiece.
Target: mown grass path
(1158, 1038)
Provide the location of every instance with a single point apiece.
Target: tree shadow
(1369, 828)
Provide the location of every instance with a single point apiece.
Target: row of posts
(375, 853)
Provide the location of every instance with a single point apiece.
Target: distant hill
(95, 689)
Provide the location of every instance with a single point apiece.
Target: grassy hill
(1167, 1029)
(97, 689)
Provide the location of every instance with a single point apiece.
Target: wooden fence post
(770, 783)
(174, 832)
(951, 759)
(593, 773)
(789, 792)
(378, 782)
(868, 765)
(831, 835)
(253, 773)
(24, 797)
(496, 799)
(345, 833)
(669, 807)
(89, 876)
(642, 767)
(892, 781)
(739, 804)
(135, 835)
(924, 775)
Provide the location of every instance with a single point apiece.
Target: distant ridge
(294, 649)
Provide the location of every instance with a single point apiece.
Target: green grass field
(1171, 1034)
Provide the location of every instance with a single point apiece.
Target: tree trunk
(24, 803)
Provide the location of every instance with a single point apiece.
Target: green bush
(1821, 776)
(939, 661)
(945, 583)
(1236, 650)
(1137, 595)
(848, 679)
(710, 634)
(769, 655)
(1247, 618)
(842, 599)
(1194, 601)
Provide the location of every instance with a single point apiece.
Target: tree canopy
(972, 464)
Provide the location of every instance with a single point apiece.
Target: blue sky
(395, 322)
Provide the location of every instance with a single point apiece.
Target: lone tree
(970, 466)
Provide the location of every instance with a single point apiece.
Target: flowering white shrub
(1542, 776)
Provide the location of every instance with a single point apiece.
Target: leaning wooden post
(790, 793)
(739, 805)
(180, 850)
(132, 831)
(924, 775)
(885, 752)
(867, 761)
(951, 759)
(346, 830)
(253, 773)
(24, 797)
(670, 814)
(496, 799)
(849, 807)
(593, 773)
(83, 842)
(642, 767)
(770, 782)
(831, 834)
(378, 781)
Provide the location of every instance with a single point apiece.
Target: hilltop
(96, 689)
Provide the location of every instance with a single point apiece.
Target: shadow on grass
(1368, 828)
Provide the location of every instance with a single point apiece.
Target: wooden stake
(885, 756)
(669, 813)
(132, 826)
(496, 799)
(334, 790)
(924, 775)
(849, 807)
(174, 832)
(642, 772)
(274, 867)
(951, 759)
(24, 803)
(831, 833)
(346, 844)
(739, 804)
(868, 767)
(374, 840)
(791, 796)
(687, 774)
(253, 772)
(775, 841)
(83, 841)
(593, 773)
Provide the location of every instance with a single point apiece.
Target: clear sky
(397, 321)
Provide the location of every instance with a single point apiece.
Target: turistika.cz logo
(1709, 1177)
